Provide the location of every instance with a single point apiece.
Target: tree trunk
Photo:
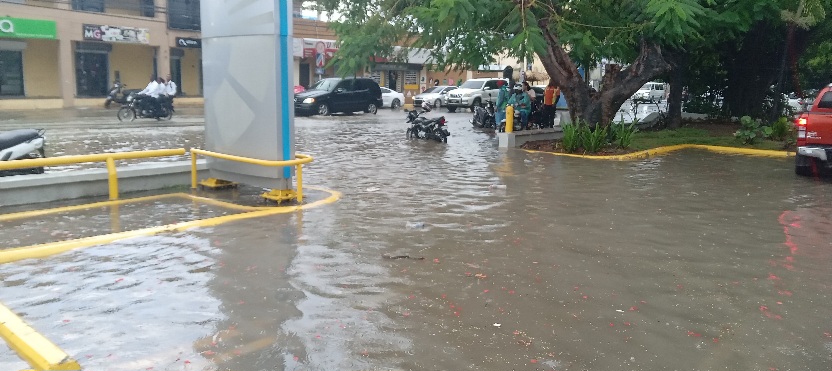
(677, 83)
(617, 86)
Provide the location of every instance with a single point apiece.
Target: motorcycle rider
(522, 104)
(169, 92)
(502, 102)
(151, 93)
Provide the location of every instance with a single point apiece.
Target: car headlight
(309, 100)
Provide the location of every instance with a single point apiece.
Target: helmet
(518, 87)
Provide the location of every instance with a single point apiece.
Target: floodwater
(455, 256)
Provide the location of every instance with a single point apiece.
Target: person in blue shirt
(502, 102)
(523, 104)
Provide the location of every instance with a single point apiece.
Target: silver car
(434, 95)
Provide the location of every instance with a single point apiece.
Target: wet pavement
(452, 256)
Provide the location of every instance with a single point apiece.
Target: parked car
(435, 95)
(391, 98)
(474, 92)
(814, 136)
(798, 104)
(650, 91)
(339, 95)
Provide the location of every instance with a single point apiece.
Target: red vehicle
(814, 136)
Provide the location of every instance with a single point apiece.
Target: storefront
(32, 41)
(186, 66)
(123, 50)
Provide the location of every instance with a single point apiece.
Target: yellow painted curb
(667, 149)
(33, 347)
(52, 248)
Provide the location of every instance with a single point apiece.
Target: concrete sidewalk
(69, 118)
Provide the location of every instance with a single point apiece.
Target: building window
(11, 73)
(148, 8)
(91, 72)
(183, 14)
(88, 5)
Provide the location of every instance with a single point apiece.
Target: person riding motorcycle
(151, 96)
(522, 104)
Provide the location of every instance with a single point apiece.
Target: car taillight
(801, 123)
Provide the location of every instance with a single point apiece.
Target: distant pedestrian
(550, 101)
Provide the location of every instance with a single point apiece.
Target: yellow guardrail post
(509, 119)
(300, 182)
(112, 178)
(193, 169)
(278, 195)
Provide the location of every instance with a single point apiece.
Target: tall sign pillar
(248, 88)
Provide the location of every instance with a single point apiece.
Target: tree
(468, 33)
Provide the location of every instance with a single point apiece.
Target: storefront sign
(116, 34)
(27, 28)
(184, 42)
(313, 47)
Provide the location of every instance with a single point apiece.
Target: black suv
(339, 95)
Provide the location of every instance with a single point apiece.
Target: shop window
(183, 14)
(88, 5)
(91, 71)
(11, 73)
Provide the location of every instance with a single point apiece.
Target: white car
(650, 91)
(390, 98)
(434, 95)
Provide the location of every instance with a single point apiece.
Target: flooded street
(454, 256)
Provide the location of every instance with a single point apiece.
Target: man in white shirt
(151, 91)
(171, 88)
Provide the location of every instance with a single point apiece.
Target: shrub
(750, 130)
(780, 129)
(622, 134)
(571, 138)
(593, 140)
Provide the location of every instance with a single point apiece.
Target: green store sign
(21, 28)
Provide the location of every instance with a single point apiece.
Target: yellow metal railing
(297, 162)
(109, 158)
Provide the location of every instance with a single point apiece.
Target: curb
(667, 149)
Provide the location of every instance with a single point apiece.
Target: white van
(650, 91)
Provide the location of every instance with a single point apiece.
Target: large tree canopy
(644, 38)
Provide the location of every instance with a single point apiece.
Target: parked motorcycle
(118, 94)
(22, 144)
(485, 117)
(416, 121)
(435, 129)
(142, 106)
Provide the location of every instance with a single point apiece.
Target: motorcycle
(22, 144)
(436, 129)
(141, 106)
(118, 94)
(416, 121)
(485, 118)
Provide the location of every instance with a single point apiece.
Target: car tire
(451, 109)
(371, 108)
(477, 103)
(803, 165)
(437, 103)
(395, 104)
(323, 109)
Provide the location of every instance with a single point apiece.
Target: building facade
(68, 53)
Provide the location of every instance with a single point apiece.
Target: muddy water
(503, 260)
